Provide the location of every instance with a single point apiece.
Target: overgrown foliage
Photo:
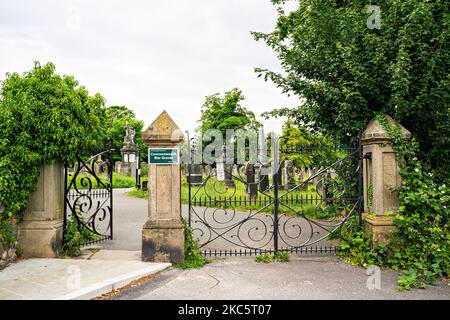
(44, 118)
(422, 240)
(422, 243)
(193, 257)
(74, 238)
(347, 71)
(280, 256)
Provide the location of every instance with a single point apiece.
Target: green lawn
(119, 181)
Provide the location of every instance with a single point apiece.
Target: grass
(119, 181)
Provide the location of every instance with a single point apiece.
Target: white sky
(149, 55)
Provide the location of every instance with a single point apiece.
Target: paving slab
(127, 255)
(67, 279)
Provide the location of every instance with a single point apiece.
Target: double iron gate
(300, 202)
(88, 197)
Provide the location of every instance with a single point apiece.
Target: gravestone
(98, 165)
(263, 181)
(288, 174)
(227, 167)
(251, 186)
(195, 174)
(228, 175)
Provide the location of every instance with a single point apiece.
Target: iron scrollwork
(88, 197)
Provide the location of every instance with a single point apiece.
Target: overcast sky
(149, 55)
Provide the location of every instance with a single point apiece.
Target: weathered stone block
(163, 242)
(40, 232)
(40, 238)
(380, 229)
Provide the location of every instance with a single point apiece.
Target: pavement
(70, 279)
(118, 263)
(316, 278)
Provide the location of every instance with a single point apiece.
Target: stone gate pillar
(163, 233)
(40, 233)
(380, 175)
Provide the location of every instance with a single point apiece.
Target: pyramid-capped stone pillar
(163, 233)
(381, 174)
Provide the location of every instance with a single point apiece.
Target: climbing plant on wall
(44, 118)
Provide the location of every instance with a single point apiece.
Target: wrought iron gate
(88, 196)
(301, 205)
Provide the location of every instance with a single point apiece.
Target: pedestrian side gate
(88, 199)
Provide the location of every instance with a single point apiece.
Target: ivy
(44, 118)
(193, 257)
(422, 243)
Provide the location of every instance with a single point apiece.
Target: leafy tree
(116, 119)
(316, 148)
(227, 113)
(44, 118)
(346, 71)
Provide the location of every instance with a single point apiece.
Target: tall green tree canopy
(347, 70)
(116, 119)
(44, 118)
(227, 113)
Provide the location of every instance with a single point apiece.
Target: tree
(307, 148)
(44, 118)
(116, 119)
(347, 70)
(227, 113)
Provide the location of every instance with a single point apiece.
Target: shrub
(74, 237)
(44, 118)
(193, 257)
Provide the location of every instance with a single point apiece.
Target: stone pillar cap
(375, 130)
(163, 131)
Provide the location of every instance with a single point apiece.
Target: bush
(280, 256)
(44, 118)
(74, 237)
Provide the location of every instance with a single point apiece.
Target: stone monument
(129, 150)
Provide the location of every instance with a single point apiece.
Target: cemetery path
(129, 216)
